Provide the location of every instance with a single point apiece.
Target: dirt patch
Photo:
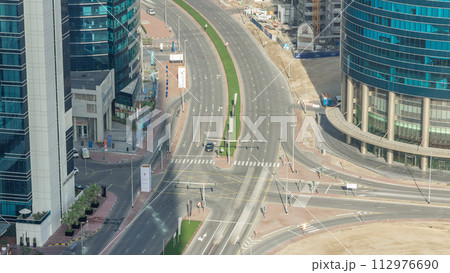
(397, 238)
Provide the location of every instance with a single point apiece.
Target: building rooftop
(87, 79)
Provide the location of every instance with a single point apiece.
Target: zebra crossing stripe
(239, 163)
(270, 164)
(246, 163)
(184, 160)
(278, 164)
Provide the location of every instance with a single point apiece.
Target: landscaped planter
(89, 211)
(69, 233)
(95, 205)
(82, 219)
(76, 226)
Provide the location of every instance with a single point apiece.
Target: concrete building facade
(93, 94)
(36, 130)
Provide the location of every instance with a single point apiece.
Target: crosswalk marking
(247, 163)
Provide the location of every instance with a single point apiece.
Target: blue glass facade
(395, 59)
(104, 36)
(398, 45)
(15, 173)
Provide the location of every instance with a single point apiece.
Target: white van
(85, 153)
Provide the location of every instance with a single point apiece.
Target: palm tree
(67, 220)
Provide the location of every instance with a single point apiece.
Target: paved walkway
(59, 241)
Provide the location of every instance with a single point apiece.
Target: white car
(75, 171)
(75, 153)
(151, 12)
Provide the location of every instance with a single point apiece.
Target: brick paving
(155, 28)
(59, 241)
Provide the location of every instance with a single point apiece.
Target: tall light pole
(429, 180)
(165, 13)
(132, 203)
(179, 43)
(293, 147)
(82, 237)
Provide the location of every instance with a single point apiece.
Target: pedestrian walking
(206, 26)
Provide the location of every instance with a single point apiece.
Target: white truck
(85, 153)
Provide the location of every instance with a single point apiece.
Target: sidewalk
(59, 241)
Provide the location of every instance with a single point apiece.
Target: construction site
(308, 28)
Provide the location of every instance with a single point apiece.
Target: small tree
(67, 220)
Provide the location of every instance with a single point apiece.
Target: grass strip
(175, 246)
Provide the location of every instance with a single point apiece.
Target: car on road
(79, 187)
(75, 171)
(75, 153)
(209, 147)
(85, 153)
(151, 12)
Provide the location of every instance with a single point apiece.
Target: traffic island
(178, 243)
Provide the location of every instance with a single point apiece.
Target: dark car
(209, 147)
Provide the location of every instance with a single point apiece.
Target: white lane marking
(328, 189)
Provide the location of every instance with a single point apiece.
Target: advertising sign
(146, 178)
(181, 77)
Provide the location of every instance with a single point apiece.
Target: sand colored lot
(397, 238)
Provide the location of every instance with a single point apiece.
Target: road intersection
(236, 195)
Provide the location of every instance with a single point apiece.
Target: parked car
(75, 153)
(209, 147)
(151, 12)
(75, 171)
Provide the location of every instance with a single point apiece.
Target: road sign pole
(132, 203)
(429, 181)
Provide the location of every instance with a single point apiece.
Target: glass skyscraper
(104, 36)
(15, 169)
(36, 132)
(395, 59)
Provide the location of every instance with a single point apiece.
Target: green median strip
(230, 72)
(176, 246)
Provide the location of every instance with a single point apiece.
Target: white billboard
(181, 77)
(176, 57)
(146, 178)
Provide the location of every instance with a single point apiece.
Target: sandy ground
(397, 238)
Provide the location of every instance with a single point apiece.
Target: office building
(93, 94)
(395, 59)
(104, 36)
(36, 132)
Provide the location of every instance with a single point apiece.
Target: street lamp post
(132, 203)
(81, 239)
(179, 43)
(293, 147)
(429, 181)
(165, 13)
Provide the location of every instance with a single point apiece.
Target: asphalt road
(256, 72)
(206, 97)
(369, 211)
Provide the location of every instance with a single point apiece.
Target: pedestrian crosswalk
(235, 163)
(192, 161)
(249, 243)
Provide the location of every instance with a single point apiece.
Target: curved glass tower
(103, 35)
(395, 59)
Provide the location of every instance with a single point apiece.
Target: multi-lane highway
(235, 195)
